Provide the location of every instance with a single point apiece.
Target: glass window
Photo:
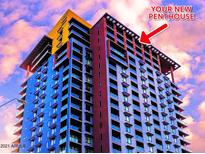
(129, 151)
(166, 137)
(88, 140)
(125, 98)
(40, 129)
(147, 118)
(146, 108)
(149, 138)
(126, 108)
(52, 142)
(124, 89)
(148, 128)
(124, 79)
(128, 129)
(128, 140)
(127, 118)
(32, 143)
(168, 146)
(151, 149)
(38, 149)
(39, 139)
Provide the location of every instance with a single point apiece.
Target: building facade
(97, 89)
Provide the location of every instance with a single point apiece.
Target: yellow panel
(68, 15)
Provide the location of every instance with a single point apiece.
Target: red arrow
(145, 38)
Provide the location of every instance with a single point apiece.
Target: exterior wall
(100, 105)
(62, 26)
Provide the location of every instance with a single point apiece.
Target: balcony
(115, 117)
(117, 128)
(64, 118)
(116, 140)
(115, 106)
(20, 114)
(75, 128)
(20, 106)
(63, 140)
(65, 128)
(16, 140)
(18, 131)
(137, 117)
(19, 122)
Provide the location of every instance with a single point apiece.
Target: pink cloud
(196, 128)
(186, 99)
(17, 40)
(8, 118)
(201, 77)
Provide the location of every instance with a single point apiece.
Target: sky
(24, 22)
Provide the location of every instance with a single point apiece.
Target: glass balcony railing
(115, 139)
(115, 105)
(116, 127)
(63, 129)
(62, 140)
(75, 128)
(113, 95)
(115, 116)
(75, 117)
(75, 106)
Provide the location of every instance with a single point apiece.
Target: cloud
(201, 77)
(17, 40)
(8, 118)
(196, 128)
(188, 96)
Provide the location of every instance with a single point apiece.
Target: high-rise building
(97, 89)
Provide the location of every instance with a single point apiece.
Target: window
(146, 108)
(39, 139)
(128, 140)
(88, 140)
(147, 118)
(123, 70)
(166, 137)
(151, 149)
(38, 150)
(32, 143)
(127, 118)
(164, 118)
(177, 150)
(126, 108)
(34, 123)
(129, 151)
(125, 98)
(52, 142)
(124, 89)
(128, 129)
(148, 128)
(144, 91)
(124, 79)
(54, 120)
(40, 129)
(53, 131)
(168, 146)
(33, 133)
(149, 138)
(41, 119)
(175, 140)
